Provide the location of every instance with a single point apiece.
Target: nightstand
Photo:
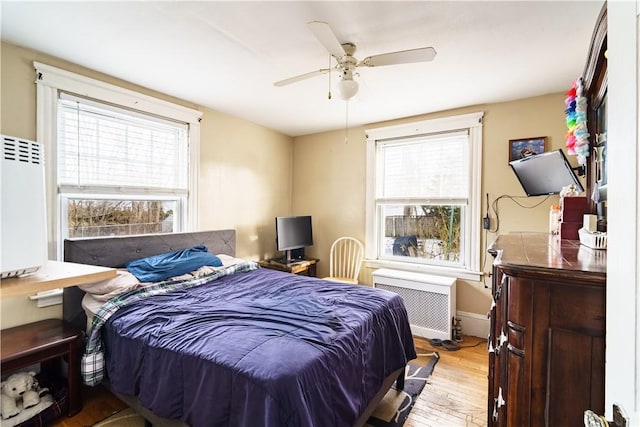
(45, 342)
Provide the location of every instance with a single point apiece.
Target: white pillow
(104, 290)
(228, 260)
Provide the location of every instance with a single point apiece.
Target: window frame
(50, 81)
(471, 122)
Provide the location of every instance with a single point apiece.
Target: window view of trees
(423, 231)
(92, 218)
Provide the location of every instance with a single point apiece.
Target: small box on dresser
(573, 210)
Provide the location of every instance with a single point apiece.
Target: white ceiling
(226, 55)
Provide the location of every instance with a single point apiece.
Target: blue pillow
(163, 266)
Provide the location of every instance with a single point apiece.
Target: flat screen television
(546, 173)
(293, 234)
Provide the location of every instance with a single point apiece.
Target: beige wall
(329, 184)
(329, 180)
(244, 168)
(245, 175)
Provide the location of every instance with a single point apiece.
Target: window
(119, 172)
(423, 196)
(118, 162)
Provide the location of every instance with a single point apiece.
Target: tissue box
(590, 223)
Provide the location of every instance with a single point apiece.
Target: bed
(254, 348)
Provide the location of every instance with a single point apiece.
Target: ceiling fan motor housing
(349, 48)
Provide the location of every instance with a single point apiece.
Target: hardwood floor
(455, 395)
(456, 392)
(98, 403)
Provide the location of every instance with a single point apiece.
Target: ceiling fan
(347, 63)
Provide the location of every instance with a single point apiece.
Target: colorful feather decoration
(577, 139)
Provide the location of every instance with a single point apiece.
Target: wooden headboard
(116, 251)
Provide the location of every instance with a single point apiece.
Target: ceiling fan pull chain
(346, 125)
(329, 68)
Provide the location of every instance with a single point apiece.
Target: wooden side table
(305, 267)
(45, 342)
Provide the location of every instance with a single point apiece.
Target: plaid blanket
(92, 367)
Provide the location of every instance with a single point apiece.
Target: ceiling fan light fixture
(347, 88)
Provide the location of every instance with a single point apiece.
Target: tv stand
(304, 267)
(292, 255)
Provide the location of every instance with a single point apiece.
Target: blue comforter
(262, 348)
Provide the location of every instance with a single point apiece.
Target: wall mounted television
(293, 234)
(545, 173)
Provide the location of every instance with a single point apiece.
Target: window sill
(427, 269)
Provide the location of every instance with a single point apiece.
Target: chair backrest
(345, 258)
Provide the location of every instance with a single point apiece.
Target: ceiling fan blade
(302, 77)
(327, 38)
(423, 54)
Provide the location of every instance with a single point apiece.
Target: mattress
(91, 306)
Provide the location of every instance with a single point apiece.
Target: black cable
(484, 257)
(474, 345)
(494, 206)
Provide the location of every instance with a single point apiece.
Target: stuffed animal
(19, 391)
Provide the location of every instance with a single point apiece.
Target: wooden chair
(345, 260)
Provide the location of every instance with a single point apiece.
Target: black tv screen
(293, 232)
(545, 173)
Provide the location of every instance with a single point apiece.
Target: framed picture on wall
(519, 148)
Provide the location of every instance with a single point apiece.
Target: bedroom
(260, 159)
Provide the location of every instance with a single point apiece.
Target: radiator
(430, 300)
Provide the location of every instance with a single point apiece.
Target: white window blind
(429, 167)
(100, 145)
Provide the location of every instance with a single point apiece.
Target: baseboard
(473, 324)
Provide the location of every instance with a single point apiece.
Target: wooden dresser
(547, 334)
